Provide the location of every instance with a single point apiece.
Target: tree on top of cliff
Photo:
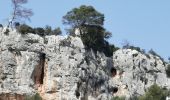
(89, 22)
(84, 15)
(155, 92)
(19, 12)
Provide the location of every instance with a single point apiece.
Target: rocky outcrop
(137, 72)
(56, 67)
(59, 68)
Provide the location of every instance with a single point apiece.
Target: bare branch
(19, 12)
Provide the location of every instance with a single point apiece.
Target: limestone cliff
(59, 68)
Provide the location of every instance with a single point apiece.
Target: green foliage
(35, 97)
(83, 15)
(94, 37)
(168, 71)
(56, 31)
(6, 32)
(134, 97)
(48, 30)
(16, 24)
(90, 24)
(70, 31)
(1, 25)
(155, 93)
(128, 46)
(24, 29)
(155, 54)
(118, 98)
(135, 48)
(40, 31)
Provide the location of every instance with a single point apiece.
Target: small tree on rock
(56, 31)
(19, 12)
(155, 93)
(84, 15)
(89, 23)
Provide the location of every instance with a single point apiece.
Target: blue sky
(144, 23)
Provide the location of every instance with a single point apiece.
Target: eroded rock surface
(137, 72)
(59, 68)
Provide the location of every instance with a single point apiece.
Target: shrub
(118, 98)
(24, 29)
(109, 49)
(40, 31)
(16, 24)
(135, 48)
(34, 97)
(155, 54)
(47, 30)
(155, 93)
(90, 24)
(95, 37)
(6, 32)
(56, 31)
(168, 71)
(127, 45)
(1, 25)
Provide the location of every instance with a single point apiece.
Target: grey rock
(138, 72)
(59, 67)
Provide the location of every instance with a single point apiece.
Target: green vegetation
(168, 71)
(155, 93)
(56, 31)
(84, 15)
(40, 31)
(118, 98)
(155, 54)
(135, 48)
(34, 97)
(48, 31)
(16, 25)
(128, 46)
(6, 32)
(1, 25)
(24, 29)
(90, 24)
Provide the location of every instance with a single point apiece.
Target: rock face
(56, 67)
(59, 68)
(137, 72)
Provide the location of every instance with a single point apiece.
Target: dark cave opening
(115, 90)
(77, 94)
(38, 74)
(42, 63)
(113, 71)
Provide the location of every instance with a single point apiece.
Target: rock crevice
(58, 67)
